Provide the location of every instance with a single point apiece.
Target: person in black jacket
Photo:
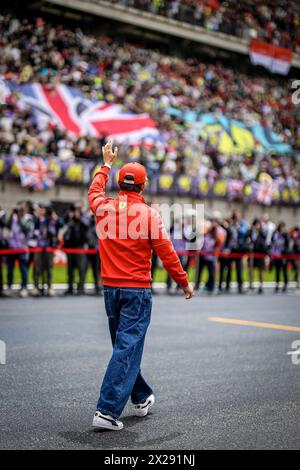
(46, 227)
(257, 242)
(280, 247)
(236, 244)
(76, 236)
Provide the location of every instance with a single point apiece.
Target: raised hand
(109, 155)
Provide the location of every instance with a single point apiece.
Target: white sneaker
(35, 292)
(23, 293)
(102, 421)
(8, 292)
(142, 409)
(50, 292)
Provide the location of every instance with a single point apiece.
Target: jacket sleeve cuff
(184, 284)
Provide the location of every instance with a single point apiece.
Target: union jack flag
(67, 108)
(35, 173)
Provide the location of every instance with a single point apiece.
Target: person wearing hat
(128, 231)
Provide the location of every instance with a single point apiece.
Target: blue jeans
(129, 313)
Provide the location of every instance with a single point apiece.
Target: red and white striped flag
(274, 58)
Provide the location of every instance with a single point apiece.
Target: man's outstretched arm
(96, 193)
(164, 248)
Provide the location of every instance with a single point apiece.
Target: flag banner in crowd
(35, 173)
(67, 108)
(39, 175)
(231, 135)
(274, 58)
(263, 192)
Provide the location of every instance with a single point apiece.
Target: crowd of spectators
(227, 244)
(143, 80)
(37, 227)
(274, 21)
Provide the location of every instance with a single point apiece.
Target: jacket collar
(131, 196)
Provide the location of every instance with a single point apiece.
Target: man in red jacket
(128, 230)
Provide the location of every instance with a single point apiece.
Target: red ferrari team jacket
(128, 231)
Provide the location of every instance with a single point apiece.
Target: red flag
(274, 58)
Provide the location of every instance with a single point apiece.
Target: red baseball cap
(133, 173)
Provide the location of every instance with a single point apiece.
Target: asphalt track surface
(217, 386)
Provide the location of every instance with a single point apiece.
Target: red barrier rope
(77, 251)
(238, 255)
(93, 251)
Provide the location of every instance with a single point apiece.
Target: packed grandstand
(203, 128)
(203, 123)
(272, 21)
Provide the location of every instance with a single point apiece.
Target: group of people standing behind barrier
(230, 245)
(38, 229)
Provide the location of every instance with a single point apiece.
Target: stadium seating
(181, 96)
(268, 20)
